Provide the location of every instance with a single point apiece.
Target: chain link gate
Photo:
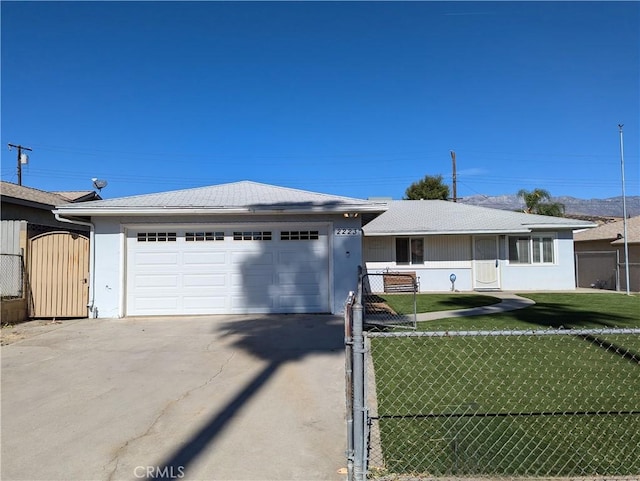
(389, 299)
(468, 405)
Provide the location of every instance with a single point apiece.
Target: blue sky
(348, 98)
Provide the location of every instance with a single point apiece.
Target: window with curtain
(531, 250)
(409, 250)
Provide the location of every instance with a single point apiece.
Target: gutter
(92, 260)
(194, 210)
(524, 229)
(588, 225)
(430, 233)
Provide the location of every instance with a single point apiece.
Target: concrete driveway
(216, 397)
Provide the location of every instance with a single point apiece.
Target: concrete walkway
(509, 302)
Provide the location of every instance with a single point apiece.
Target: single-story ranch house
(246, 247)
(484, 248)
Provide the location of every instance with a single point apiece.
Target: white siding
(448, 251)
(378, 249)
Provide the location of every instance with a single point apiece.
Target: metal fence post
(348, 349)
(359, 468)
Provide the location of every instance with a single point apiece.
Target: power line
(366, 157)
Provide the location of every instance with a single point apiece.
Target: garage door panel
(154, 259)
(262, 303)
(301, 256)
(153, 304)
(204, 259)
(155, 281)
(204, 302)
(203, 280)
(253, 279)
(298, 302)
(302, 285)
(251, 258)
(290, 278)
(311, 266)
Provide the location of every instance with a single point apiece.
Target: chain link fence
(555, 404)
(545, 403)
(11, 276)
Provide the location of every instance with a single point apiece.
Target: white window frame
(535, 247)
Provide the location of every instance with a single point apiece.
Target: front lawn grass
(563, 310)
(403, 303)
(515, 405)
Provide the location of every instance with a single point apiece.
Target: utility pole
(455, 177)
(20, 149)
(624, 211)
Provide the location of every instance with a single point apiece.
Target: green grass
(403, 303)
(494, 405)
(571, 310)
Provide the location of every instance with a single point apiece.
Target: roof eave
(78, 210)
(588, 225)
(446, 232)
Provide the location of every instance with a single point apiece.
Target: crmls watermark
(159, 472)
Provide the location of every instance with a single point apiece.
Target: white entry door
(486, 267)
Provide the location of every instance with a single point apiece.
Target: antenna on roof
(99, 184)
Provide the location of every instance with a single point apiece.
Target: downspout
(92, 262)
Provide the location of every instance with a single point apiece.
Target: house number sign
(347, 231)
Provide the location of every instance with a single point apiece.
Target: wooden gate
(58, 275)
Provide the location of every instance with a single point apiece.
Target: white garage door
(227, 270)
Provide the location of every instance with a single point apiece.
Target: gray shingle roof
(423, 217)
(238, 196)
(29, 194)
(611, 230)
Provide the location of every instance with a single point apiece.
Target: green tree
(431, 187)
(538, 201)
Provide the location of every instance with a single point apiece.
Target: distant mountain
(611, 207)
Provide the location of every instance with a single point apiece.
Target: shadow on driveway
(277, 340)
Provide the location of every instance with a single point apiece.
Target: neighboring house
(44, 262)
(34, 206)
(242, 247)
(600, 256)
(484, 248)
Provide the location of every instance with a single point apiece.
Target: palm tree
(535, 203)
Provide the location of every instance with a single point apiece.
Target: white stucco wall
(553, 277)
(345, 244)
(430, 278)
(107, 276)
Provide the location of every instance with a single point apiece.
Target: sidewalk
(509, 302)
